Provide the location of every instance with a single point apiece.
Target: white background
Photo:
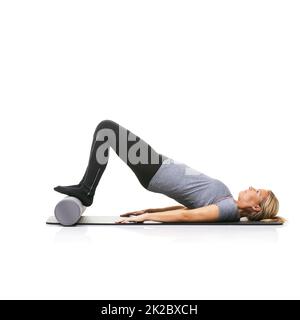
(214, 84)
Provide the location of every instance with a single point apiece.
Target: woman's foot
(80, 192)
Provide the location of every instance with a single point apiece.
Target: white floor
(39, 261)
(214, 84)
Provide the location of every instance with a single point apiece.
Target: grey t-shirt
(193, 189)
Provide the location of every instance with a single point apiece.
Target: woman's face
(252, 197)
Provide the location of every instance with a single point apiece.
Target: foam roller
(68, 211)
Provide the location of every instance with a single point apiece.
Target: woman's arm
(164, 209)
(204, 214)
(139, 212)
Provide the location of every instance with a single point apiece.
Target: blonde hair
(269, 210)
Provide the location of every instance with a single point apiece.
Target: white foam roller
(68, 211)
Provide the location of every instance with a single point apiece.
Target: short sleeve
(228, 210)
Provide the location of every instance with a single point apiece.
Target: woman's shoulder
(228, 209)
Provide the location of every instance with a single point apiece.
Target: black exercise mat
(110, 220)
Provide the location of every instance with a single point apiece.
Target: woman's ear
(256, 208)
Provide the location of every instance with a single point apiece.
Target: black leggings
(124, 141)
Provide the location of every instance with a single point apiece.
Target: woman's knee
(107, 124)
(109, 127)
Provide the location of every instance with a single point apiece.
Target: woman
(202, 198)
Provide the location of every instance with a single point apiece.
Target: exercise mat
(110, 220)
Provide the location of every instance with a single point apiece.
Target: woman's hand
(138, 218)
(139, 212)
(134, 213)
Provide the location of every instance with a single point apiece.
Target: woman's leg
(142, 159)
